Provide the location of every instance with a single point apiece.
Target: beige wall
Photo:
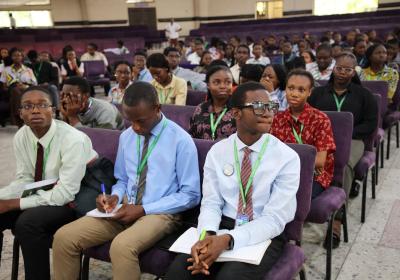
(102, 10)
(62, 10)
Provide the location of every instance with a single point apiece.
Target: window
(329, 7)
(26, 18)
(38, 2)
(269, 9)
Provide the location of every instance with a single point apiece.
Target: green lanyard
(37, 71)
(141, 164)
(243, 192)
(215, 124)
(339, 104)
(163, 97)
(298, 136)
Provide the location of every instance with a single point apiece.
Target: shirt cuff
(28, 202)
(241, 237)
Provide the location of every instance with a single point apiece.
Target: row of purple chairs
(156, 260)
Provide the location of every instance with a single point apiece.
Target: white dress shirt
(262, 60)
(194, 58)
(235, 70)
(69, 150)
(275, 186)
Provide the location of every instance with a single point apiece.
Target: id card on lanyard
(141, 163)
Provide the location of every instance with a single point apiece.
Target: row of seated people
(169, 184)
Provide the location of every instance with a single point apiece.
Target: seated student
(288, 53)
(44, 149)
(336, 50)
(213, 119)
(345, 93)
(308, 56)
(46, 75)
(229, 55)
(139, 70)
(195, 56)
(377, 70)
(120, 50)
(251, 72)
(274, 81)
(257, 215)
(123, 78)
(195, 80)
(72, 66)
(79, 109)
(242, 54)
(258, 56)
(15, 79)
(323, 67)
(46, 56)
(170, 89)
(161, 158)
(303, 124)
(393, 54)
(93, 54)
(204, 64)
(360, 47)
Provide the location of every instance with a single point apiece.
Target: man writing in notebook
(44, 149)
(249, 188)
(157, 170)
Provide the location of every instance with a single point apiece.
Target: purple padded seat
(367, 162)
(95, 72)
(195, 97)
(392, 118)
(291, 261)
(155, 260)
(179, 114)
(325, 206)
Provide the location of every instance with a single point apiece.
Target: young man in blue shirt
(157, 170)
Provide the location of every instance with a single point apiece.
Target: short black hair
(140, 92)
(93, 45)
(301, 72)
(38, 88)
(324, 47)
(239, 96)
(13, 50)
(116, 64)
(81, 83)
(243, 46)
(170, 49)
(140, 53)
(280, 73)
(32, 54)
(218, 62)
(211, 71)
(252, 72)
(157, 60)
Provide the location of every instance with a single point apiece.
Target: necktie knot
(247, 151)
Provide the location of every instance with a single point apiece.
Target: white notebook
(97, 214)
(32, 188)
(249, 254)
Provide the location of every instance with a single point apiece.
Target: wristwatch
(231, 243)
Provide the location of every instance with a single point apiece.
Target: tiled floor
(373, 251)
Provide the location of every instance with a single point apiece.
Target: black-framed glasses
(259, 107)
(31, 107)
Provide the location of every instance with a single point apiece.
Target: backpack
(101, 171)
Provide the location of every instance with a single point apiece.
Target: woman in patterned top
(213, 119)
(123, 77)
(377, 70)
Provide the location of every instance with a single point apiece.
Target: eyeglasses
(259, 107)
(347, 70)
(31, 107)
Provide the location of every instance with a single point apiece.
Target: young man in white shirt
(242, 54)
(44, 149)
(253, 208)
(195, 57)
(172, 32)
(92, 54)
(258, 56)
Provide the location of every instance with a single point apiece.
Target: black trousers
(34, 228)
(230, 270)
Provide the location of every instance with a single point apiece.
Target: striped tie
(245, 175)
(142, 178)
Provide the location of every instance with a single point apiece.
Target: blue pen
(103, 190)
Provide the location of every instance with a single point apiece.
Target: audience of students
(213, 119)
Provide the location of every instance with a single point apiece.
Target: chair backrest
(94, 68)
(104, 141)
(321, 82)
(381, 88)
(179, 114)
(203, 146)
(307, 154)
(369, 142)
(195, 97)
(342, 128)
(395, 106)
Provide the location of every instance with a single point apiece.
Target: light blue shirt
(275, 186)
(172, 182)
(279, 96)
(145, 76)
(196, 79)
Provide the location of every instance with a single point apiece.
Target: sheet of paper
(32, 188)
(249, 254)
(97, 214)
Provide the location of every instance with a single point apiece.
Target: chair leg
(344, 223)
(364, 198)
(388, 143)
(382, 152)
(329, 248)
(377, 151)
(302, 274)
(15, 260)
(397, 134)
(373, 180)
(85, 268)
